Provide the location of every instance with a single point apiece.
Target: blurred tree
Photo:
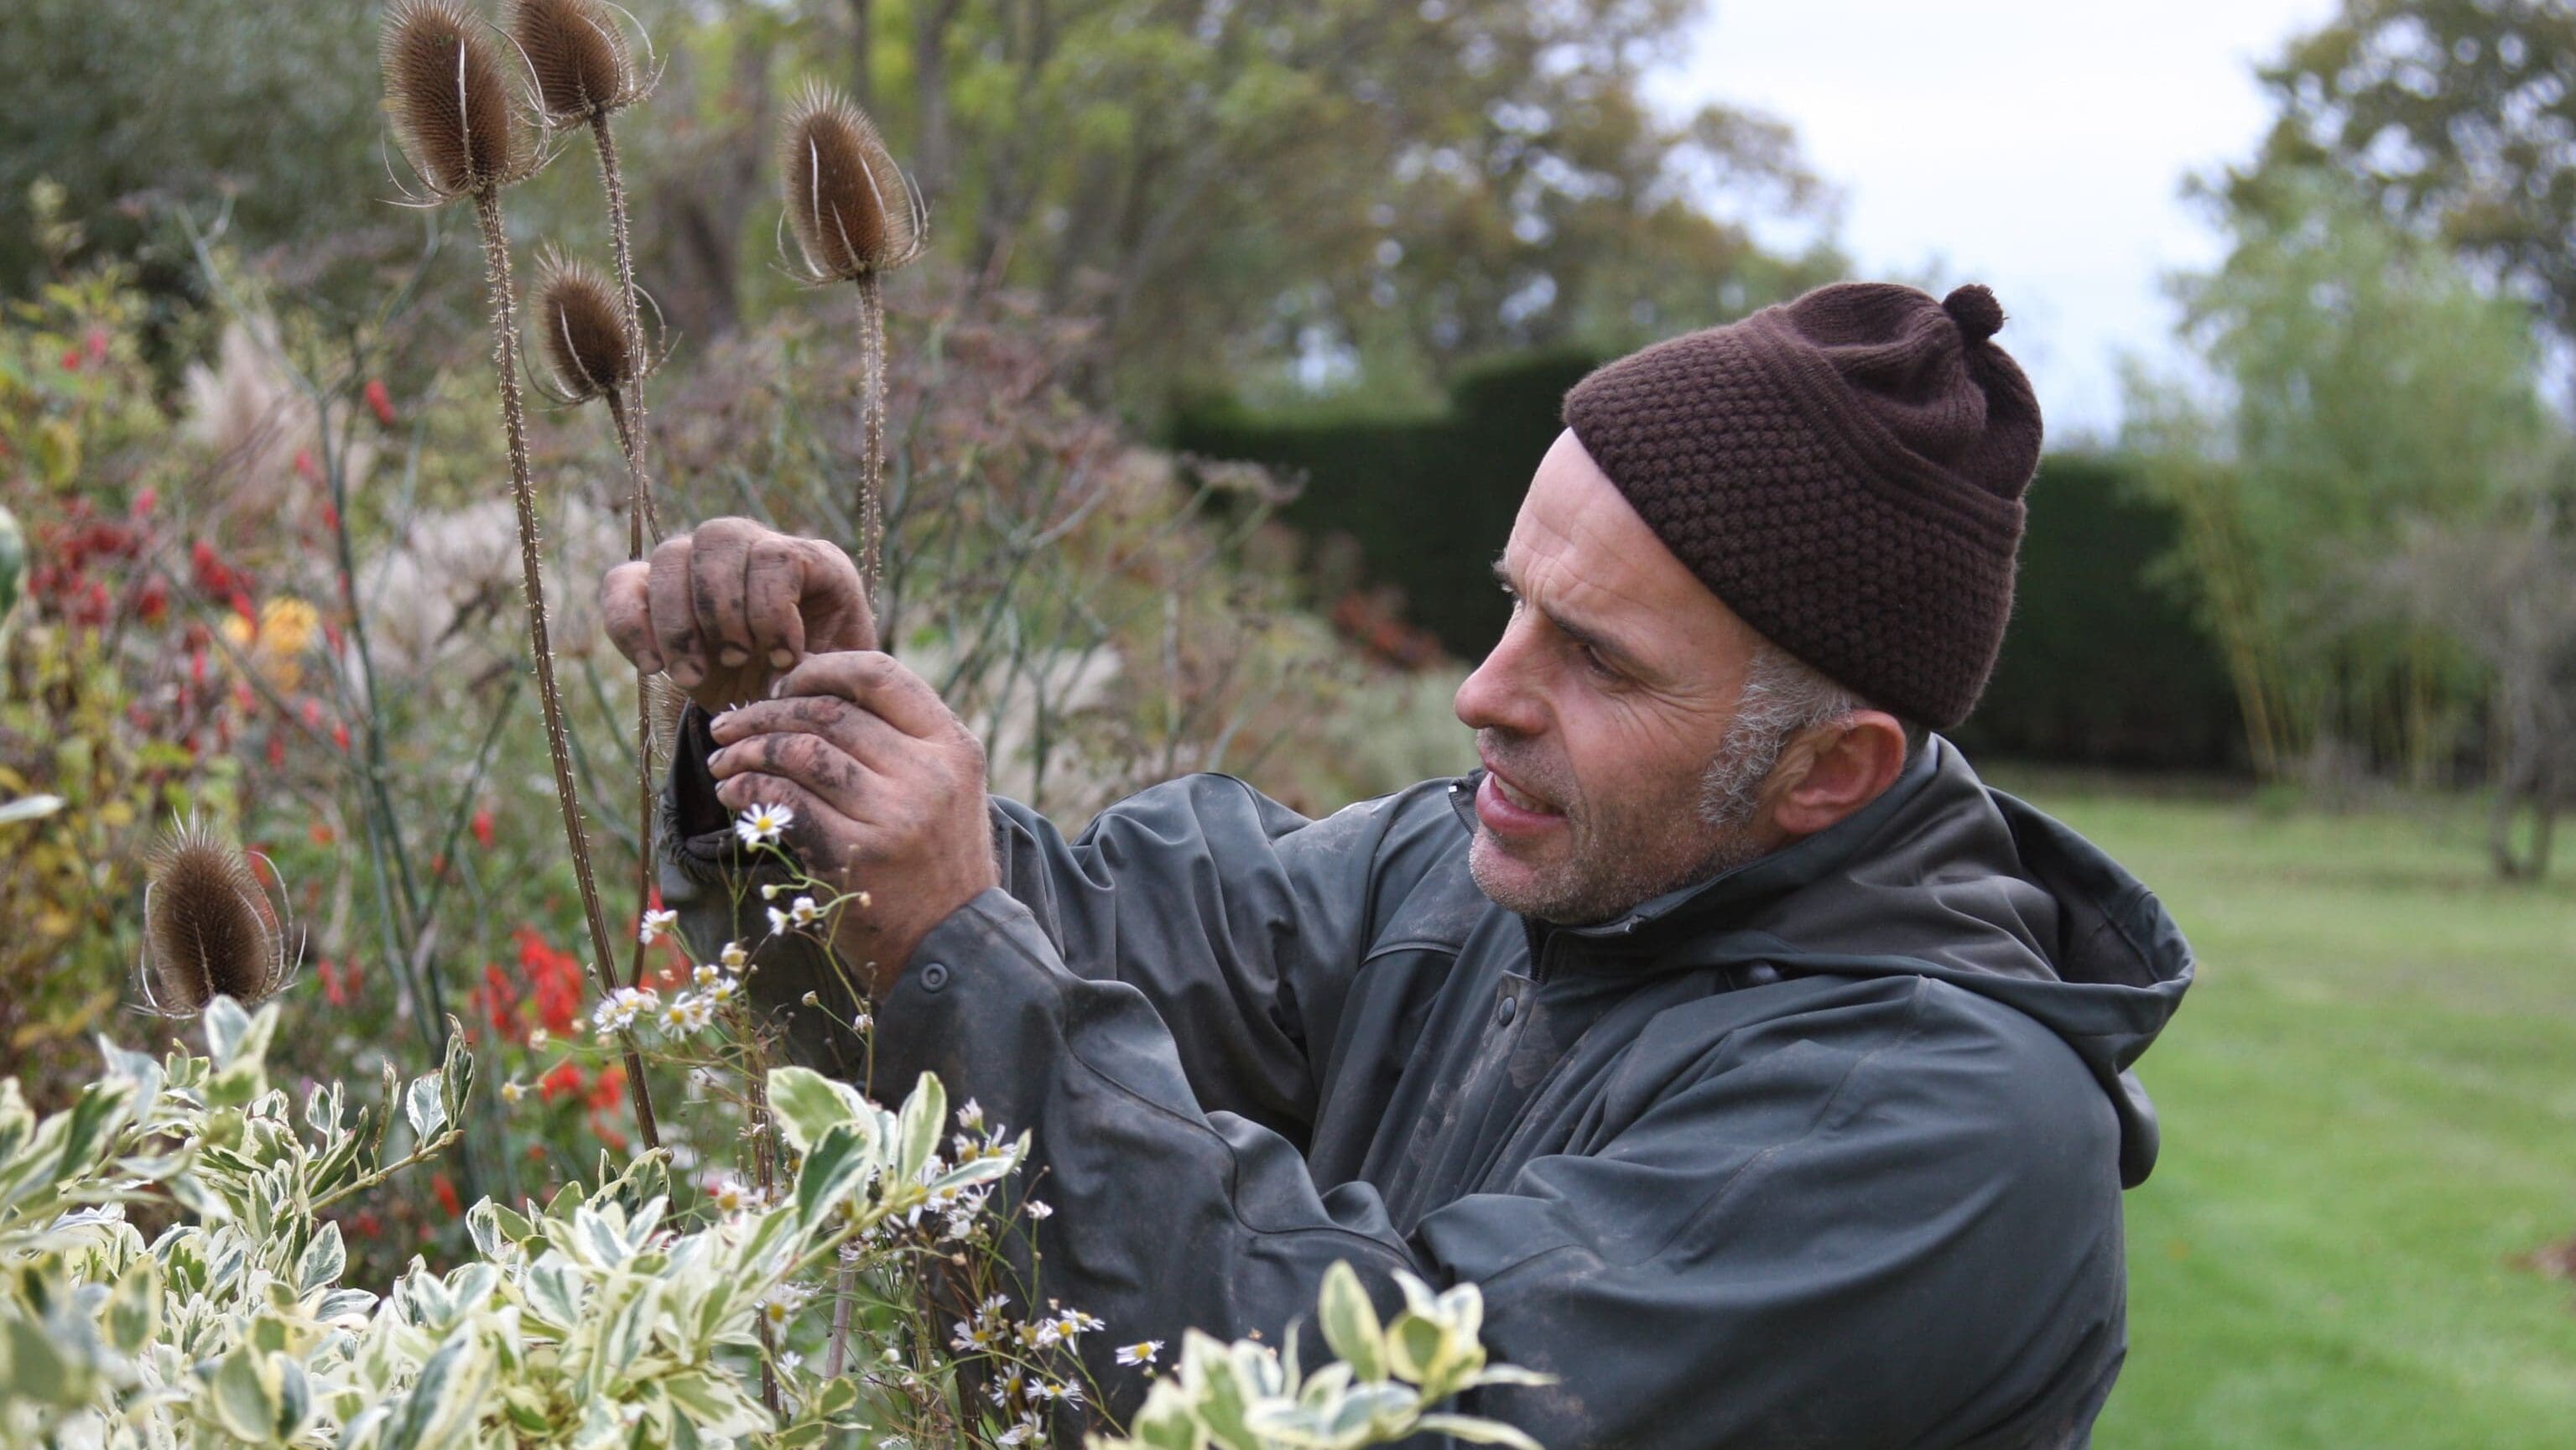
(2457, 117)
(125, 103)
(1358, 188)
(2365, 381)
(2505, 589)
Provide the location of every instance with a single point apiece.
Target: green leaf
(425, 1107)
(323, 1262)
(925, 1114)
(808, 1105)
(1476, 1431)
(1350, 1323)
(838, 1166)
(246, 1397)
(134, 1310)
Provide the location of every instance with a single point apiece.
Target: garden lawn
(2369, 1108)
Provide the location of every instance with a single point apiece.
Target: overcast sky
(2037, 146)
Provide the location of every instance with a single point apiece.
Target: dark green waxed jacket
(1824, 1151)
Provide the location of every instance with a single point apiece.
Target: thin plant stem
(627, 409)
(637, 501)
(872, 433)
(496, 272)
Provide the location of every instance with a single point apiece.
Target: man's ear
(1833, 770)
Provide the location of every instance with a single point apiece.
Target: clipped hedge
(2103, 665)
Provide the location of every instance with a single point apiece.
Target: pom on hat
(1976, 311)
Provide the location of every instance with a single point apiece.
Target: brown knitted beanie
(1845, 471)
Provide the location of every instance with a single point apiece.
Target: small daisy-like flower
(803, 911)
(733, 958)
(538, 1039)
(791, 1361)
(759, 825)
(971, 1116)
(655, 924)
(862, 1022)
(731, 1195)
(1040, 1208)
(511, 1092)
(1140, 1353)
(780, 1304)
(778, 922)
(722, 990)
(968, 1338)
(705, 974)
(1020, 1434)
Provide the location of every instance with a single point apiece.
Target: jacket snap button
(934, 976)
(1503, 1011)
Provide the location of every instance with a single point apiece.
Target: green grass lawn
(2369, 1107)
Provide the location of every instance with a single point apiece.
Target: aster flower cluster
(686, 1013)
(1033, 1365)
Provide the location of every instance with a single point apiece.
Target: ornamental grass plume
(470, 130)
(856, 217)
(210, 928)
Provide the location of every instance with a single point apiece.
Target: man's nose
(1500, 695)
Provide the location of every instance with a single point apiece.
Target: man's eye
(1593, 661)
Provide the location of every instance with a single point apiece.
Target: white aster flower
(790, 1362)
(722, 990)
(656, 923)
(1040, 1208)
(971, 1116)
(733, 958)
(759, 825)
(1140, 1353)
(511, 1092)
(1022, 1433)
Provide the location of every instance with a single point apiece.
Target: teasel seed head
(577, 56)
(852, 209)
(454, 106)
(585, 329)
(209, 927)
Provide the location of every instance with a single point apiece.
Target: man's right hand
(733, 606)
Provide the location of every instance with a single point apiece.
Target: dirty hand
(732, 606)
(887, 786)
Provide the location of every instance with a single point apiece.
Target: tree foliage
(2365, 381)
(2457, 117)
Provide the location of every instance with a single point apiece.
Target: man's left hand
(887, 786)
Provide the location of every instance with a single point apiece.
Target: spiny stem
(872, 428)
(644, 812)
(496, 274)
(628, 411)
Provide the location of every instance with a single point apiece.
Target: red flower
(446, 1192)
(555, 978)
(380, 401)
(145, 502)
(564, 1082)
(482, 827)
(71, 359)
(340, 735)
(97, 341)
(607, 1088)
(304, 468)
(498, 1000)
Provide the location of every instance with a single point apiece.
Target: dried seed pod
(852, 209)
(209, 928)
(585, 329)
(577, 55)
(450, 99)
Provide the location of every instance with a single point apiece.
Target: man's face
(1602, 709)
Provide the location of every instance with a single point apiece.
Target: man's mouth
(1507, 810)
(1521, 798)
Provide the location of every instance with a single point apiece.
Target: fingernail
(686, 674)
(781, 657)
(731, 656)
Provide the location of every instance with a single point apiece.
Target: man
(1767, 1071)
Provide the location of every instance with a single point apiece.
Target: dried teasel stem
(856, 217)
(496, 271)
(872, 411)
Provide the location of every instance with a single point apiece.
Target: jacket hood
(1943, 877)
